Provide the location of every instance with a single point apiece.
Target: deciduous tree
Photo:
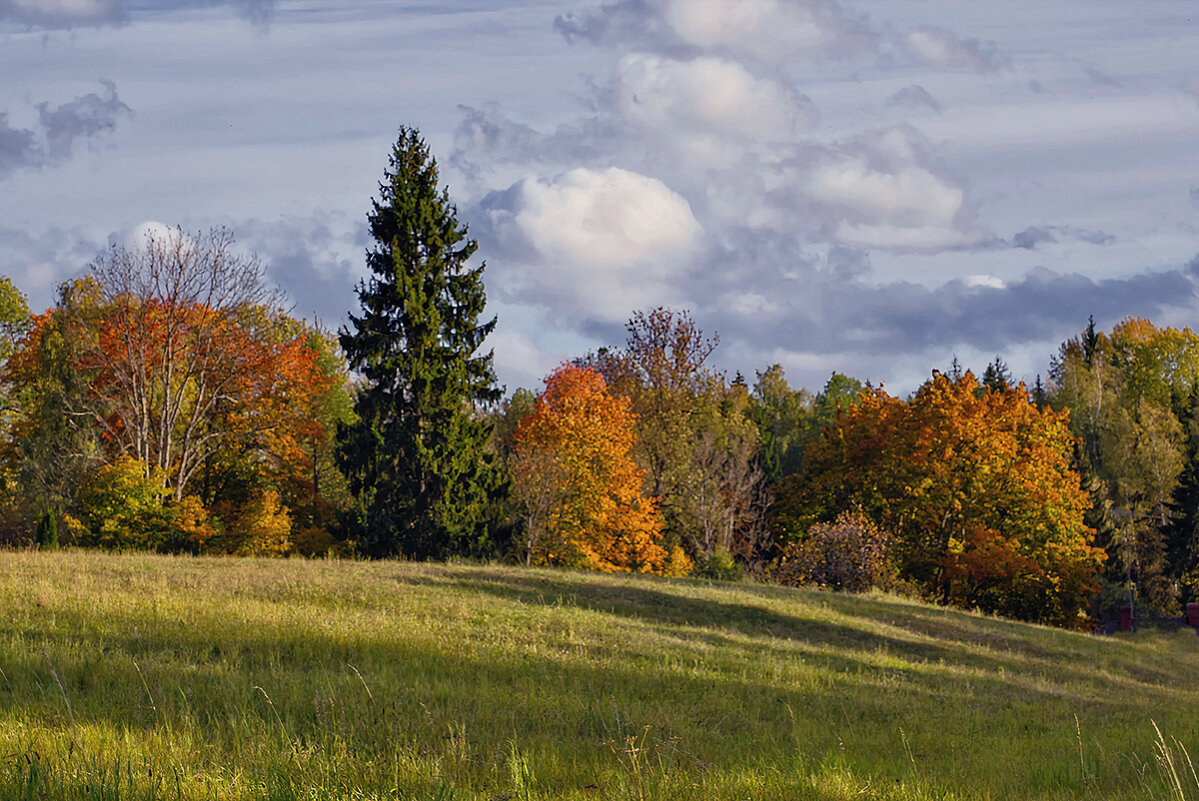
(157, 371)
(1130, 396)
(977, 487)
(577, 483)
(183, 335)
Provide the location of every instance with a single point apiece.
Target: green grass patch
(147, 677)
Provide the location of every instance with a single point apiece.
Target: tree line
(169, 402)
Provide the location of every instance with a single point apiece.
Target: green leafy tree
(840, 394)
(1130, 394)
(123, 508)
(696, 439)
(47, 452)
(784, 419)
(14, 317)
(416, 457)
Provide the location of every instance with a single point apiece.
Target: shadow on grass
(858, 625)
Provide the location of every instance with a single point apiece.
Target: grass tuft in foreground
(142, 677)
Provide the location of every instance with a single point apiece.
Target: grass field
(148, 677)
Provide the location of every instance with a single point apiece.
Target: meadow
(146, 677)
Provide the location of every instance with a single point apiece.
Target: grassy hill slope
(151, 677)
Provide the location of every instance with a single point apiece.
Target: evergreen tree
(997, 377)
(1090, 341)
(1039, 396)
(415, 458)
(47, 532)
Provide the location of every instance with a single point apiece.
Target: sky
(871, 187)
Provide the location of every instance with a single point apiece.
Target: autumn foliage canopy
(578, 484)
(975, 484)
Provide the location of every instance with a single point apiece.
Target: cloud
(809, 304)
(315, 259)
(941, 47)
(142, 235)
(67, 14)
(708, 96)
(987, 281)
(18, 148)
(486, 139)
(520, 357)
(809, 241)
(1031, 237)
(38, 263)
(915, 97)
(879, 191)
(776, 31)
(779, 30)
(592, 244)
(58, 129)
(82, 118)
(62, 13)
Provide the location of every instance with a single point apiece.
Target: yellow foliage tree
(264, 527)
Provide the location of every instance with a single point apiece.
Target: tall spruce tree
(415, 456)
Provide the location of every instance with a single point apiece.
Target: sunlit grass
(150, 677)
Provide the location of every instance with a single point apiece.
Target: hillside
(154, 677)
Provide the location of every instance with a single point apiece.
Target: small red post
(1125, 618)
(1193, 614)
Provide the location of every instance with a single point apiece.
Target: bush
(850, 554)
(720, 566)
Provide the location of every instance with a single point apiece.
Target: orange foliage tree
(169, 358)
(977, 486)
(577, 483)
(159, 396)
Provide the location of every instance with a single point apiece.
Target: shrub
(851, 554)
(720, 566)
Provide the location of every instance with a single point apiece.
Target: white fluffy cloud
(142, 235)
(877, 192)
(708, 95)
(604, 241)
